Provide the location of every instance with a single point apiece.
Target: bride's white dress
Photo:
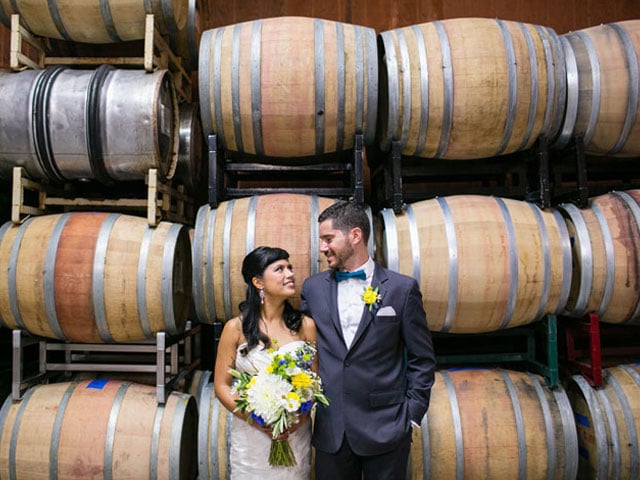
(249, 449)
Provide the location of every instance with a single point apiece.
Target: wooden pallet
(156, 54)
(163, 201)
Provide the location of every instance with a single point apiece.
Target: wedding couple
(375, 357)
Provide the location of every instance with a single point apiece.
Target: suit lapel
(379, 280)
(332, 295)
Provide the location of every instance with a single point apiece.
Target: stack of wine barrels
(294, 91)
(95, 277)
(487, 263)
(529, 430)
(472, 88)
(290, 88)
(103, 124)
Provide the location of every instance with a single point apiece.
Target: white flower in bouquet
(277, 395)
(267, 396)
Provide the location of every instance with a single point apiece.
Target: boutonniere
(371, 297)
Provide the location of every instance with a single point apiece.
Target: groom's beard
(341, 257)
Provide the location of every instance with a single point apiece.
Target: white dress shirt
(350, 303)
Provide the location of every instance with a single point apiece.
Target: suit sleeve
(421, 362)
(304, 306)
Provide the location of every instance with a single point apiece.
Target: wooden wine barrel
(187, 42)
(107, 124)
(606, 274)
(469, 88)
(192, 167)
(95, 21)
(603, 73)
(288, 86)
(214, 425)
(98, 429)
(223, 236)
(495, 424)
(483, 263)
(199, 380)
(94, 277)
(608, 423)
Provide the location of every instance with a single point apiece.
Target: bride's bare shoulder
(233, 327)
(308, 328)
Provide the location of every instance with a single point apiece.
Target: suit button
(347, 364)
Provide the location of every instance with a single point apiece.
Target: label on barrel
(98, 383)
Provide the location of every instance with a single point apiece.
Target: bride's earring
(261, 296)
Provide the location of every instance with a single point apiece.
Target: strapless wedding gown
(249, 447)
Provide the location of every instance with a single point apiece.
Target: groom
(376, 357)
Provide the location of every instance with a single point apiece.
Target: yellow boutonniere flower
(371, 296)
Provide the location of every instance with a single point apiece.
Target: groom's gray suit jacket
(383, 381)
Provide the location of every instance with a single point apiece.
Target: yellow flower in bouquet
(301, 380)
(277, 395)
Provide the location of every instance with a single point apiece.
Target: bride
(266, 320)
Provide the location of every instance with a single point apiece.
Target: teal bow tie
(344, 275)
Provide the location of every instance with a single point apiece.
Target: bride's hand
(292, 428)
(283, 436)
(266, 430)
(301, 421)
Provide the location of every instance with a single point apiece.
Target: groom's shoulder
(397, 277)
(317, 277)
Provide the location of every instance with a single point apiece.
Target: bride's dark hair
(254, 265)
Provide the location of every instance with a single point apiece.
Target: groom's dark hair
(347, 215)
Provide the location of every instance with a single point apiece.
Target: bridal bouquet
(277, 395)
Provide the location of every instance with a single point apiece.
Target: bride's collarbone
(281, 341)
(277, 341)
(280, 335)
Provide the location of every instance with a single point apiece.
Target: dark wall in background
(4, 46)
(561, 15)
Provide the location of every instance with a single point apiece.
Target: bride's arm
(311, 335)
(226, 359)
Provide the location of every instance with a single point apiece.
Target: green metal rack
(534, 346)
